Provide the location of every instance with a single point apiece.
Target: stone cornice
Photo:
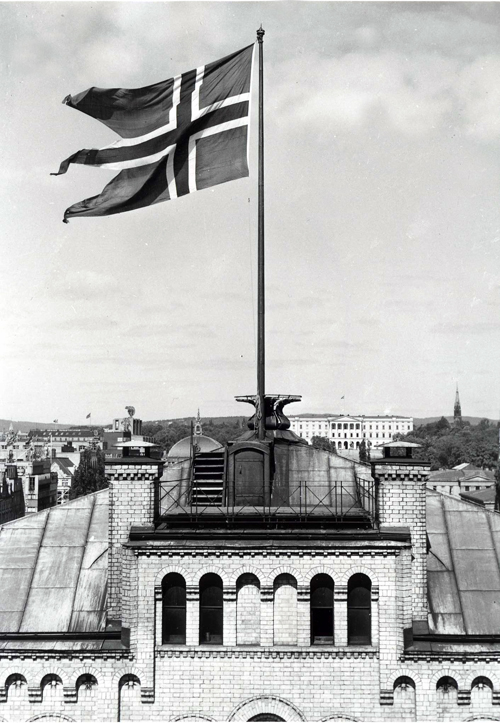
(84, 655)
(165, 651)
(190, 552)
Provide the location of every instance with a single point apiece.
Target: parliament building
(264, 580)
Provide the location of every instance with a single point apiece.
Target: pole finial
(260, 34)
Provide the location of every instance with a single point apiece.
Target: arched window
(359, 610)
(52, 688)
(446, 693)
(322, 610)
(85, 686)
(481, 692)
(173, 588)
(16, 686)
(404, 694)
(248, 610)
(130, 698)
(211, 610)
(285, 610)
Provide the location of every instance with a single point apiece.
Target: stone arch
(359, 569)
(486, 717)
(51, 688)
(285, 570)
(447, 681)
(210, 570)
(17, 681)
(192, 717)
(320, 570)
(482, 679)
(447, 673)
(246, 570)
(339, 717)
(87, 681)
(129, 670)
(481, 673)
(51, 716)
(62, 674)
(87, 670)
(402, 673)
(266, 704)
(188, 577)
(25, 672)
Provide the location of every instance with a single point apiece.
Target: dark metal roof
(463, 567)
(54, 567)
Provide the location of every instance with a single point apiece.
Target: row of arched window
(211, 608)
(446, 690)
(51, 685)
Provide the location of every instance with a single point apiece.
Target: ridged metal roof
(463, 567)
(54, 567)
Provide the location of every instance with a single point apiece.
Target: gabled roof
(463, 567)
(54, 568)
(481, 497)
(64, 466)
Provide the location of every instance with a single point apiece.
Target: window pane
(359, 632)
(322, 626)
(359, 597)
(211, 596)
(175, 596)
(211, 626)
(174, 625)
(322, 597)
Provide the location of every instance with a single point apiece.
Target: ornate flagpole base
(274, 417)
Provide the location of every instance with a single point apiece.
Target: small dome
(201, 443)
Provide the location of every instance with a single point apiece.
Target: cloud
(85, 285)
(481, 327)
(86, 324)
(478, 91)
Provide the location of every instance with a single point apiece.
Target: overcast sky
(382, 216)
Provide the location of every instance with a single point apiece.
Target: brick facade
(266, 664)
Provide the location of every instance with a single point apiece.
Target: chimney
(402, 494)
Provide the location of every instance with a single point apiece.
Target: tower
(457, 410)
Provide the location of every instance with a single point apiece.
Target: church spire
(457, 411)
(198, 431)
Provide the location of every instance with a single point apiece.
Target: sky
(382, 135)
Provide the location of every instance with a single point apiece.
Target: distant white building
(346, 431)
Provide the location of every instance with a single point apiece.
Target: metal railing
(331, 502)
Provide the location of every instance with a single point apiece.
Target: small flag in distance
(56, 421)
(88, 415)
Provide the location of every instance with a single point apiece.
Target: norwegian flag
(178, 136)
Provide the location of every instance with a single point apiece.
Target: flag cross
(175, 143)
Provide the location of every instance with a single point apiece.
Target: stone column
(229, 628)
(303, 615)
(340, 615)
(375, 618)
(192, 615)
(158, 615)
(266, 616)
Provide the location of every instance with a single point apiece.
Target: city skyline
(382, 216)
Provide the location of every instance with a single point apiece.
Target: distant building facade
(346, 432)
(461, 479)
(11, 495)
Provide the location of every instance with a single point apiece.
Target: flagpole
(261, 354)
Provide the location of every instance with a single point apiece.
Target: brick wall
(131, 502)
(402, 503)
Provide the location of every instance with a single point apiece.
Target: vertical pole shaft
(261, 353)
